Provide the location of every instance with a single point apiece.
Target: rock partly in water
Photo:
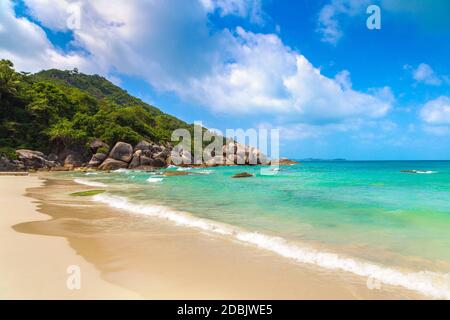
(140, 160)
(113, 164)
(122, 151)
(242, 175)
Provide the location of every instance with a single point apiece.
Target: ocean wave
(90, 183)
(123, 170)
(184, 168)
(419, 171)
(205, 172)
(429, 283)
(153, 179)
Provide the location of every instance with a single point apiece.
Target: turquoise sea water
(368, 218)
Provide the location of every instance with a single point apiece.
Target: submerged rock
(242, 175)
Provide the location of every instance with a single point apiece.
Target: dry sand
(127, 256)
(35, 267)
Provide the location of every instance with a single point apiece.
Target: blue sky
(334, 88)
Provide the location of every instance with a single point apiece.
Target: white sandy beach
(34, 267)
(121, 256)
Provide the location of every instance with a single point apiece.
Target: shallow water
(368, 218)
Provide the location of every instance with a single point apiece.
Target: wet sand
(126, 256)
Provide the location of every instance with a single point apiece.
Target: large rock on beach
(97, 159)
(97, 144)
(34, 159)
(113, 164)
(143, 145)
(122, 151)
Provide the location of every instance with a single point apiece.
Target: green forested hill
(74, 108)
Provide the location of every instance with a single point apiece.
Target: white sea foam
(153, 179)
(425, 172)
(184, 168)
(91, 173)
(205, 171)
(432, 284)
(123, 170)
(90, 183)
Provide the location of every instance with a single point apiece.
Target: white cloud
(26, 44)
(53, 14)
(235, 72)
(424, 73)
(250, 9)
(437, 111)
(329, 22)
(436, 115)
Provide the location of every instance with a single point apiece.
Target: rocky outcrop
(144, 156)
(73, 160)
(97, 159)
(238, 154)
(10, 165)
(98, 144)
(143, 145)
(71, 155)
(34, 159)
(122, 151)
(147, 154)
(113, 164)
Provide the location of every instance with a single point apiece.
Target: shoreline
(159, 260)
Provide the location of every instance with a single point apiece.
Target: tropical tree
(9, 79)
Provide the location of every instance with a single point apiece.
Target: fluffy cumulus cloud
(250, 9)
(329, 21)
(436, 116)
(27, 45)
(437, 112)
(229, 71)
(424, 73)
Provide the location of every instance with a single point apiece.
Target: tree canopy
(74, 108)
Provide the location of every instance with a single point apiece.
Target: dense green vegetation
(68, 106)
